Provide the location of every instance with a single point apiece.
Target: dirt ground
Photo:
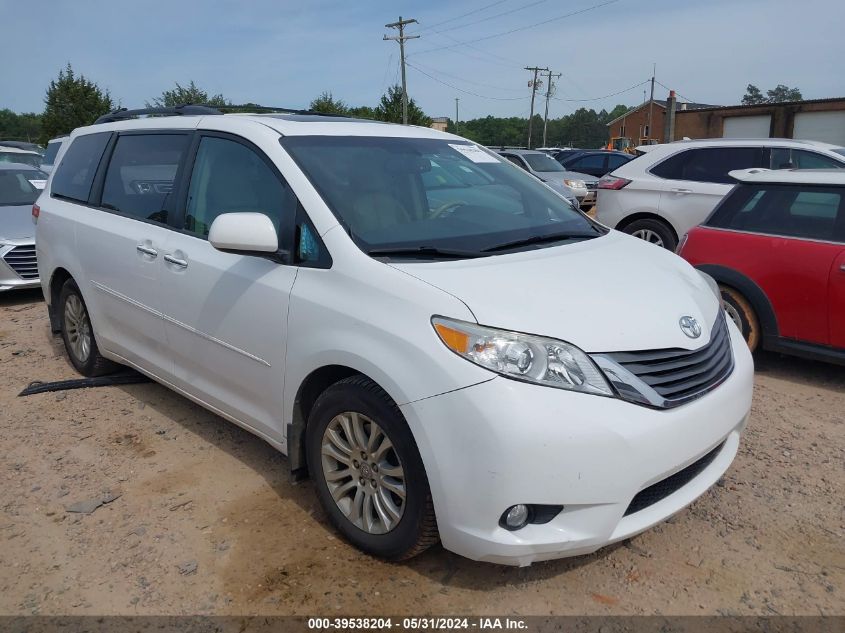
(207, 523)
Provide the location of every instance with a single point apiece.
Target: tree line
(72, 100)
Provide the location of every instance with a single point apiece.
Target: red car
(776, 247)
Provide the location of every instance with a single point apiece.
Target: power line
(491, 17)
(469, 81)
(676, 92)
(463, 15)
(522, 28)
(474, 94)
(605, 96)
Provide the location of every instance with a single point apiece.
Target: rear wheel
(368, 472)
(78, 334)
(654, 232)
(742, 314)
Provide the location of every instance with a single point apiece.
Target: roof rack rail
(257, 108)
(187, 109)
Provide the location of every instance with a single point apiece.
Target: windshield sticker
(474, 153)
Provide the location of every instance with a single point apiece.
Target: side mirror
(243, 233)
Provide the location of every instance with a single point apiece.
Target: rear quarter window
(708, 164)
(75, 173)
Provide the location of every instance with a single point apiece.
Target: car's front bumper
(503, 442)
(18, 265)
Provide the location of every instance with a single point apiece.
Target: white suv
(463, 360)
(662, 194)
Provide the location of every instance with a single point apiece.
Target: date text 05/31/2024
(423, 623)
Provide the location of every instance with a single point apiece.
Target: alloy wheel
(78, 328)
(733, 313)
(649, 236)
(363, 472)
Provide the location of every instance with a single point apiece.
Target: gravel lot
(206, 521)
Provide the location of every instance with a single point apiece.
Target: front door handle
(842, 268)
(147, 250)
(681, 190)
(181, 263)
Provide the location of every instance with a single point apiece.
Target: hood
(16, 222)
(608, 294)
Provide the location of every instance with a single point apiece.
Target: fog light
(516, 516)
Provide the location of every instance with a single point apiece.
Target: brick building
(817, 120)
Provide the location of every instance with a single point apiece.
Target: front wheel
(368, 472)
(739, 309)
(654, 232)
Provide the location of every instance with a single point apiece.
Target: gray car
(547, 169)
(20, 186)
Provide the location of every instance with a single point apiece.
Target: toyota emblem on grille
(690, 326)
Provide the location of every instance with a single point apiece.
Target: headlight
(535, 359)
(575, 184)
(714, 287)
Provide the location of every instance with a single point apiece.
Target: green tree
(778, 94)
(20, 127)
(781, 93)
(327, 104)
(71, 102)
(753, 96)
(363, 112)
(181, 95)
(390, 109)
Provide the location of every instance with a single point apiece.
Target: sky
(283, 53)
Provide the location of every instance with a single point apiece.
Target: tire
(742, 314)
(78, 335)
(653, 231)
(410, 527)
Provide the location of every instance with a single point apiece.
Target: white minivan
(466, 359)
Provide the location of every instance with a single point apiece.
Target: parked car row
(406, 316)
(764, 217)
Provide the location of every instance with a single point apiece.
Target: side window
(594, 162)
(709, 164)
(229, 177)
(141, 173)
(672, 168)
(75, 174)
(792, 211)
(515, 161)
(812, 160)
(614, 161)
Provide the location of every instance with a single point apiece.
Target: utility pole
(549, 88)
(651, 100)
(401, 39)
(456, 114)
(533, 85)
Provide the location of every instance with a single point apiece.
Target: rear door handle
(681, 190)
(842, 268)
(181, 263)
(147, 250)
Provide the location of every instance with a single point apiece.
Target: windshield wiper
(423, 251)
(538, 239)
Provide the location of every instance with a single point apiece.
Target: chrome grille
(670, 377)
(22, 260)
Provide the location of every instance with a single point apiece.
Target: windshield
(19, 186)
(431, 194)
(50, 154)
(542, 162)
(840, 150)
(24, 158)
